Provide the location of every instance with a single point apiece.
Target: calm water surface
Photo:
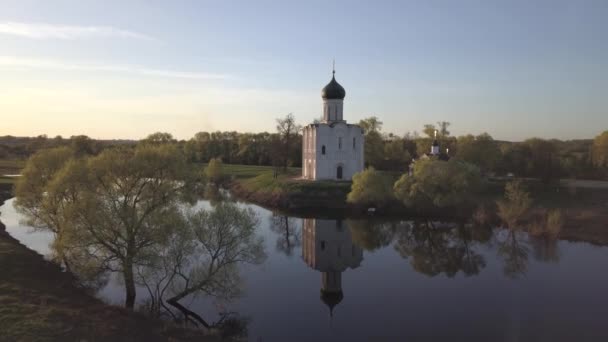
(369, 280)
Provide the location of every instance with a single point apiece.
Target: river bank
(40, 302)
(584, 208)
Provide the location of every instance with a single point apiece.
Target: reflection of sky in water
(562, 294)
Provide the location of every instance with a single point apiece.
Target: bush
(214, 170)
(515, 205)
(440, 184)
(371, 188)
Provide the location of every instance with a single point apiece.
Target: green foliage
(371, 124)
(158, 138)
(371, 188)
(599, 151)
(436, 183)
(118, 204)
(515, 204)
(481, 150)
(396, 157)
(374, 148)
(213, 171)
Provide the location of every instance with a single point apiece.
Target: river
(395, 280)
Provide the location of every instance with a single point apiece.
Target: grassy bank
(287, 192)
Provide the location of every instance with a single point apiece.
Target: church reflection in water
(327, 247)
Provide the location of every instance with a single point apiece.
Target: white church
(332, 149)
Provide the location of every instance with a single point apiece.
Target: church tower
(333, 100)
(327, 247)
(332, 149)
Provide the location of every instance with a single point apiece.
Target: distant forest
(535, 157)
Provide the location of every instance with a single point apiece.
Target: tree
(481, 150)
(515, 204)
(371, 124)
(370, 188)
(159, 138)
(288, 131)
(223, 238)
(374, 142)
(43, 208)
(213, 171)
(599, 151)
(542, 159)
(114, 207)
(396, 157)
(436, 183)
(83, 145)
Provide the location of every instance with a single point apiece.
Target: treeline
(535, 157)
(12, 147)
(281, 148)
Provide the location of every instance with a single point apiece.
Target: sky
(124, 69)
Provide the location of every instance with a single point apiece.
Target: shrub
(214, 170)
(371, 188)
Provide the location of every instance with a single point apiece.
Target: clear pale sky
(124, 69)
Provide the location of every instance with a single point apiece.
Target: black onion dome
(333, 90)
(435, 142)
(331, 299)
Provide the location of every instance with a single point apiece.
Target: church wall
(351, 159)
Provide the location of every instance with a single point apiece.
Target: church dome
(333, 90)
(331, 299)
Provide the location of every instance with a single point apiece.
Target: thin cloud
(35, 63)
(68, 32)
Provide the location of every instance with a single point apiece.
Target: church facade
(332, 149)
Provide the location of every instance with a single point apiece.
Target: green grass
(248, 171)
(288, 191)
(11, 166)
(7, 180)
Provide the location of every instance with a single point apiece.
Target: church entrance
(339, 172)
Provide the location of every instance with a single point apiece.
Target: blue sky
(124, 69)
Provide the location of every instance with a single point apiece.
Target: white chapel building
(332, 148)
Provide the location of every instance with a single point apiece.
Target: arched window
(323, 149)
(339, 172)
(339, 143)
(354, 143)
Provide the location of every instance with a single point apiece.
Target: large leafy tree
(288, 131)
(599, 151)
(371, 188)
(479, 150)
(374, 142)
(436, 183)
(113, 208)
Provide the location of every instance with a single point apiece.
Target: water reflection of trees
(439, 248)
(372, 235)
(289, 233)
(514, 252)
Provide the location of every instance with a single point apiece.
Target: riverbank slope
(40, 302)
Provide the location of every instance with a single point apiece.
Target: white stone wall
(333, 110)
(344, 147)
